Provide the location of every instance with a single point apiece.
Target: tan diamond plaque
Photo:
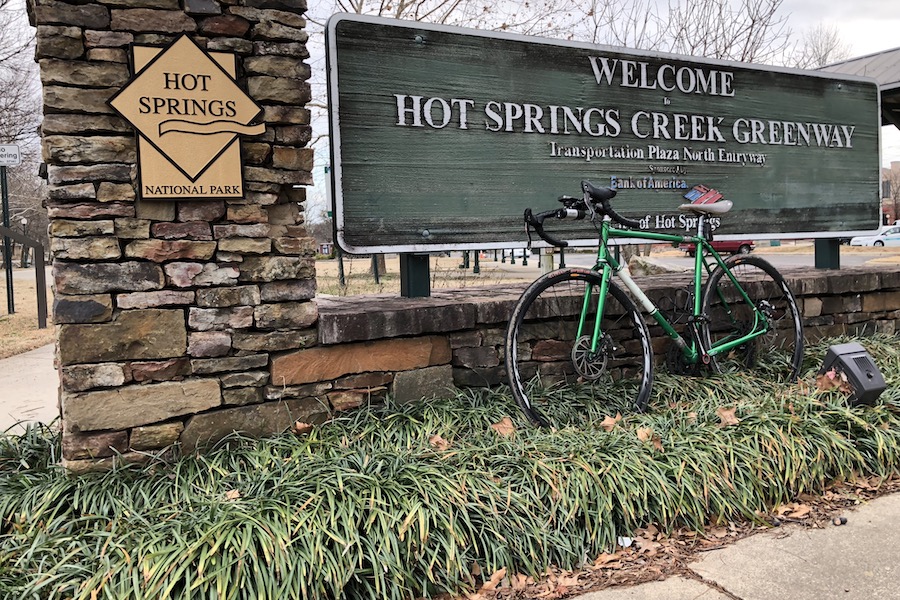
(189, 113)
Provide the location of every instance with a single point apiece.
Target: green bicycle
(577, 325)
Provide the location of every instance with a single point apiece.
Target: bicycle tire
(777, 354)
(543, 358)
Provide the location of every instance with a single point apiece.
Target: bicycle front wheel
(546, 355)
(778, 352)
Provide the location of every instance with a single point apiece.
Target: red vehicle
(725, 246)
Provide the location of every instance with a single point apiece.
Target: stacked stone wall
(180, 322)
(414, 348)
(169, 313)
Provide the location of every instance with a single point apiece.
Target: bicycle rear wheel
(545, 356)
(778, 353)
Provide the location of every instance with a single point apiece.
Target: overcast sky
(867, 26)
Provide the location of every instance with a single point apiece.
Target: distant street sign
(9, 155)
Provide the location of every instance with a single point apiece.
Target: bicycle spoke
(771, 318)
(546, 356)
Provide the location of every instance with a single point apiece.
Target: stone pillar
(169, 314)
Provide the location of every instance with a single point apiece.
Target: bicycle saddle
(597, 194)
(716, 208)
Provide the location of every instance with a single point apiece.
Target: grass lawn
(445, 495)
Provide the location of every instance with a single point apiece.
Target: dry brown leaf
(492, 583)
(610, 422)
(644, 433)
(801, 511)
(438, 443)
(505, 427)
(606, 558)
(727, 416)
(299, 427)
(648, 547)
(831, 380)
(232, 494)
(657, 443)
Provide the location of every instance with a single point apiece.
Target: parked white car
(889, 236)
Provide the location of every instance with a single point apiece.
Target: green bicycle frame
(608, 266)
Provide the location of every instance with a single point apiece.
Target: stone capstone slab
(325, 363)
(132, 335)
(256, 420)
(344, 320)
(136, 405)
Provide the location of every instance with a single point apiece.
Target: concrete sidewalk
(856, 561)
(28, 389)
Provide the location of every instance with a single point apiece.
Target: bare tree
(628, 23)
(20, 102)
(820, 46)
(752, 31)
(20, 114)
(15, 38)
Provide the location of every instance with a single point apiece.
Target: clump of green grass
(400, 501)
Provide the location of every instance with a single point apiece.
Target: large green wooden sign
(442, 136)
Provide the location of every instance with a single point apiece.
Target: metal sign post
(9, 157)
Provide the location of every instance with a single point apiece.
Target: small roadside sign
(9, 155)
